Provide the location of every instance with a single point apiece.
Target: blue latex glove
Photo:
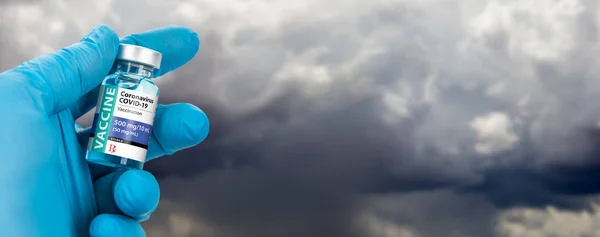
(46, 186)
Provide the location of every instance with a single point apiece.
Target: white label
(123, 123)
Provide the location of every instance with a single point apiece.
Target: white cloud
(380, 227)
(172, 219)
(526, 222)
(31, 40)
(539, 29)
(494, 133)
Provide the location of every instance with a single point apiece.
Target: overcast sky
(382, 118)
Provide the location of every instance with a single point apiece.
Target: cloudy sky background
(383, 118)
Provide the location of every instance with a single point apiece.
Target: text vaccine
(125, 110)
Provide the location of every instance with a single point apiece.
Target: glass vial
(125, 110)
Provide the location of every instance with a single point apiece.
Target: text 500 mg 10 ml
(125, 110)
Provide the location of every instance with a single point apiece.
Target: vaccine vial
(125, 110)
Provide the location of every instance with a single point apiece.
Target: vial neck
(133, 70)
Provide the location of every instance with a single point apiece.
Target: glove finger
(177, 44)
(176, 127)
(59, 79)
(134, 193)
(110, 225)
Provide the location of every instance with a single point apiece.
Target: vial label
(123, 122)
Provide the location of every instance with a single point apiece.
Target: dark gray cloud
(255, 206)
(438, 213)
(331, 118)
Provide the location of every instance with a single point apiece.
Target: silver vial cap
(138, 54)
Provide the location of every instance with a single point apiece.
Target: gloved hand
(47, 187)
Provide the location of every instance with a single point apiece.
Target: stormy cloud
(348, 118)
